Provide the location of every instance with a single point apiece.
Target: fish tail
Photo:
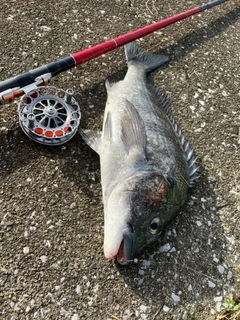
(135, 55)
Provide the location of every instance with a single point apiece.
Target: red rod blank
(99, 49)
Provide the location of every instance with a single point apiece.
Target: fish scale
(146, 164)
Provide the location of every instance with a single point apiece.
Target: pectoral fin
(92, 138)
(107, 128)
(133, 131)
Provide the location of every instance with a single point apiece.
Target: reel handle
(9, 95)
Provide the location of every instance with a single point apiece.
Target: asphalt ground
(51, 233)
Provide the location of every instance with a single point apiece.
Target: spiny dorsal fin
(92, 138)
(187, 150)
(162, 99)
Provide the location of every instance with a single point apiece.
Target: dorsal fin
(187, 150)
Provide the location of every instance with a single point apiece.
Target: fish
(146, 164)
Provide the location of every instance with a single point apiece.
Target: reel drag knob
(49, 115)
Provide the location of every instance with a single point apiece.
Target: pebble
(175, 297)
(143, 308)
(9, 223)
(166, 308)
(78, 289)
(146, 263)
(166, 247)
(90, 302)
(95, 289)
(218, 299)
(218, 306)
(72, 205)
(211, 284)
(27, 309)
(221, 269)
(26, 250)
(231, 239)
(43, 258)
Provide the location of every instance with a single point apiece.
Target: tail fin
(151, 61)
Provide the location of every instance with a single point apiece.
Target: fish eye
(154, 226)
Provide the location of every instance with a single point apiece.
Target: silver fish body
(146, 164)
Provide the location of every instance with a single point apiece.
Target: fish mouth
(124, 255)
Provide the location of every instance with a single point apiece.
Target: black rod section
(211, 4)
(29, 77)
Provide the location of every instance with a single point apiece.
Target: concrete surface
(51, 232)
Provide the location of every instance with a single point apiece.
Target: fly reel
(49, 115)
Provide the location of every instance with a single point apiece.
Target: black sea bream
(146, 164)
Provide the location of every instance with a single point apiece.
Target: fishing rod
(50, 115)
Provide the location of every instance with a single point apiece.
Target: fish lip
(124, 255)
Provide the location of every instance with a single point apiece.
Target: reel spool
(49, 115)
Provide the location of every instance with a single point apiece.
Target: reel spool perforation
(49, 115)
